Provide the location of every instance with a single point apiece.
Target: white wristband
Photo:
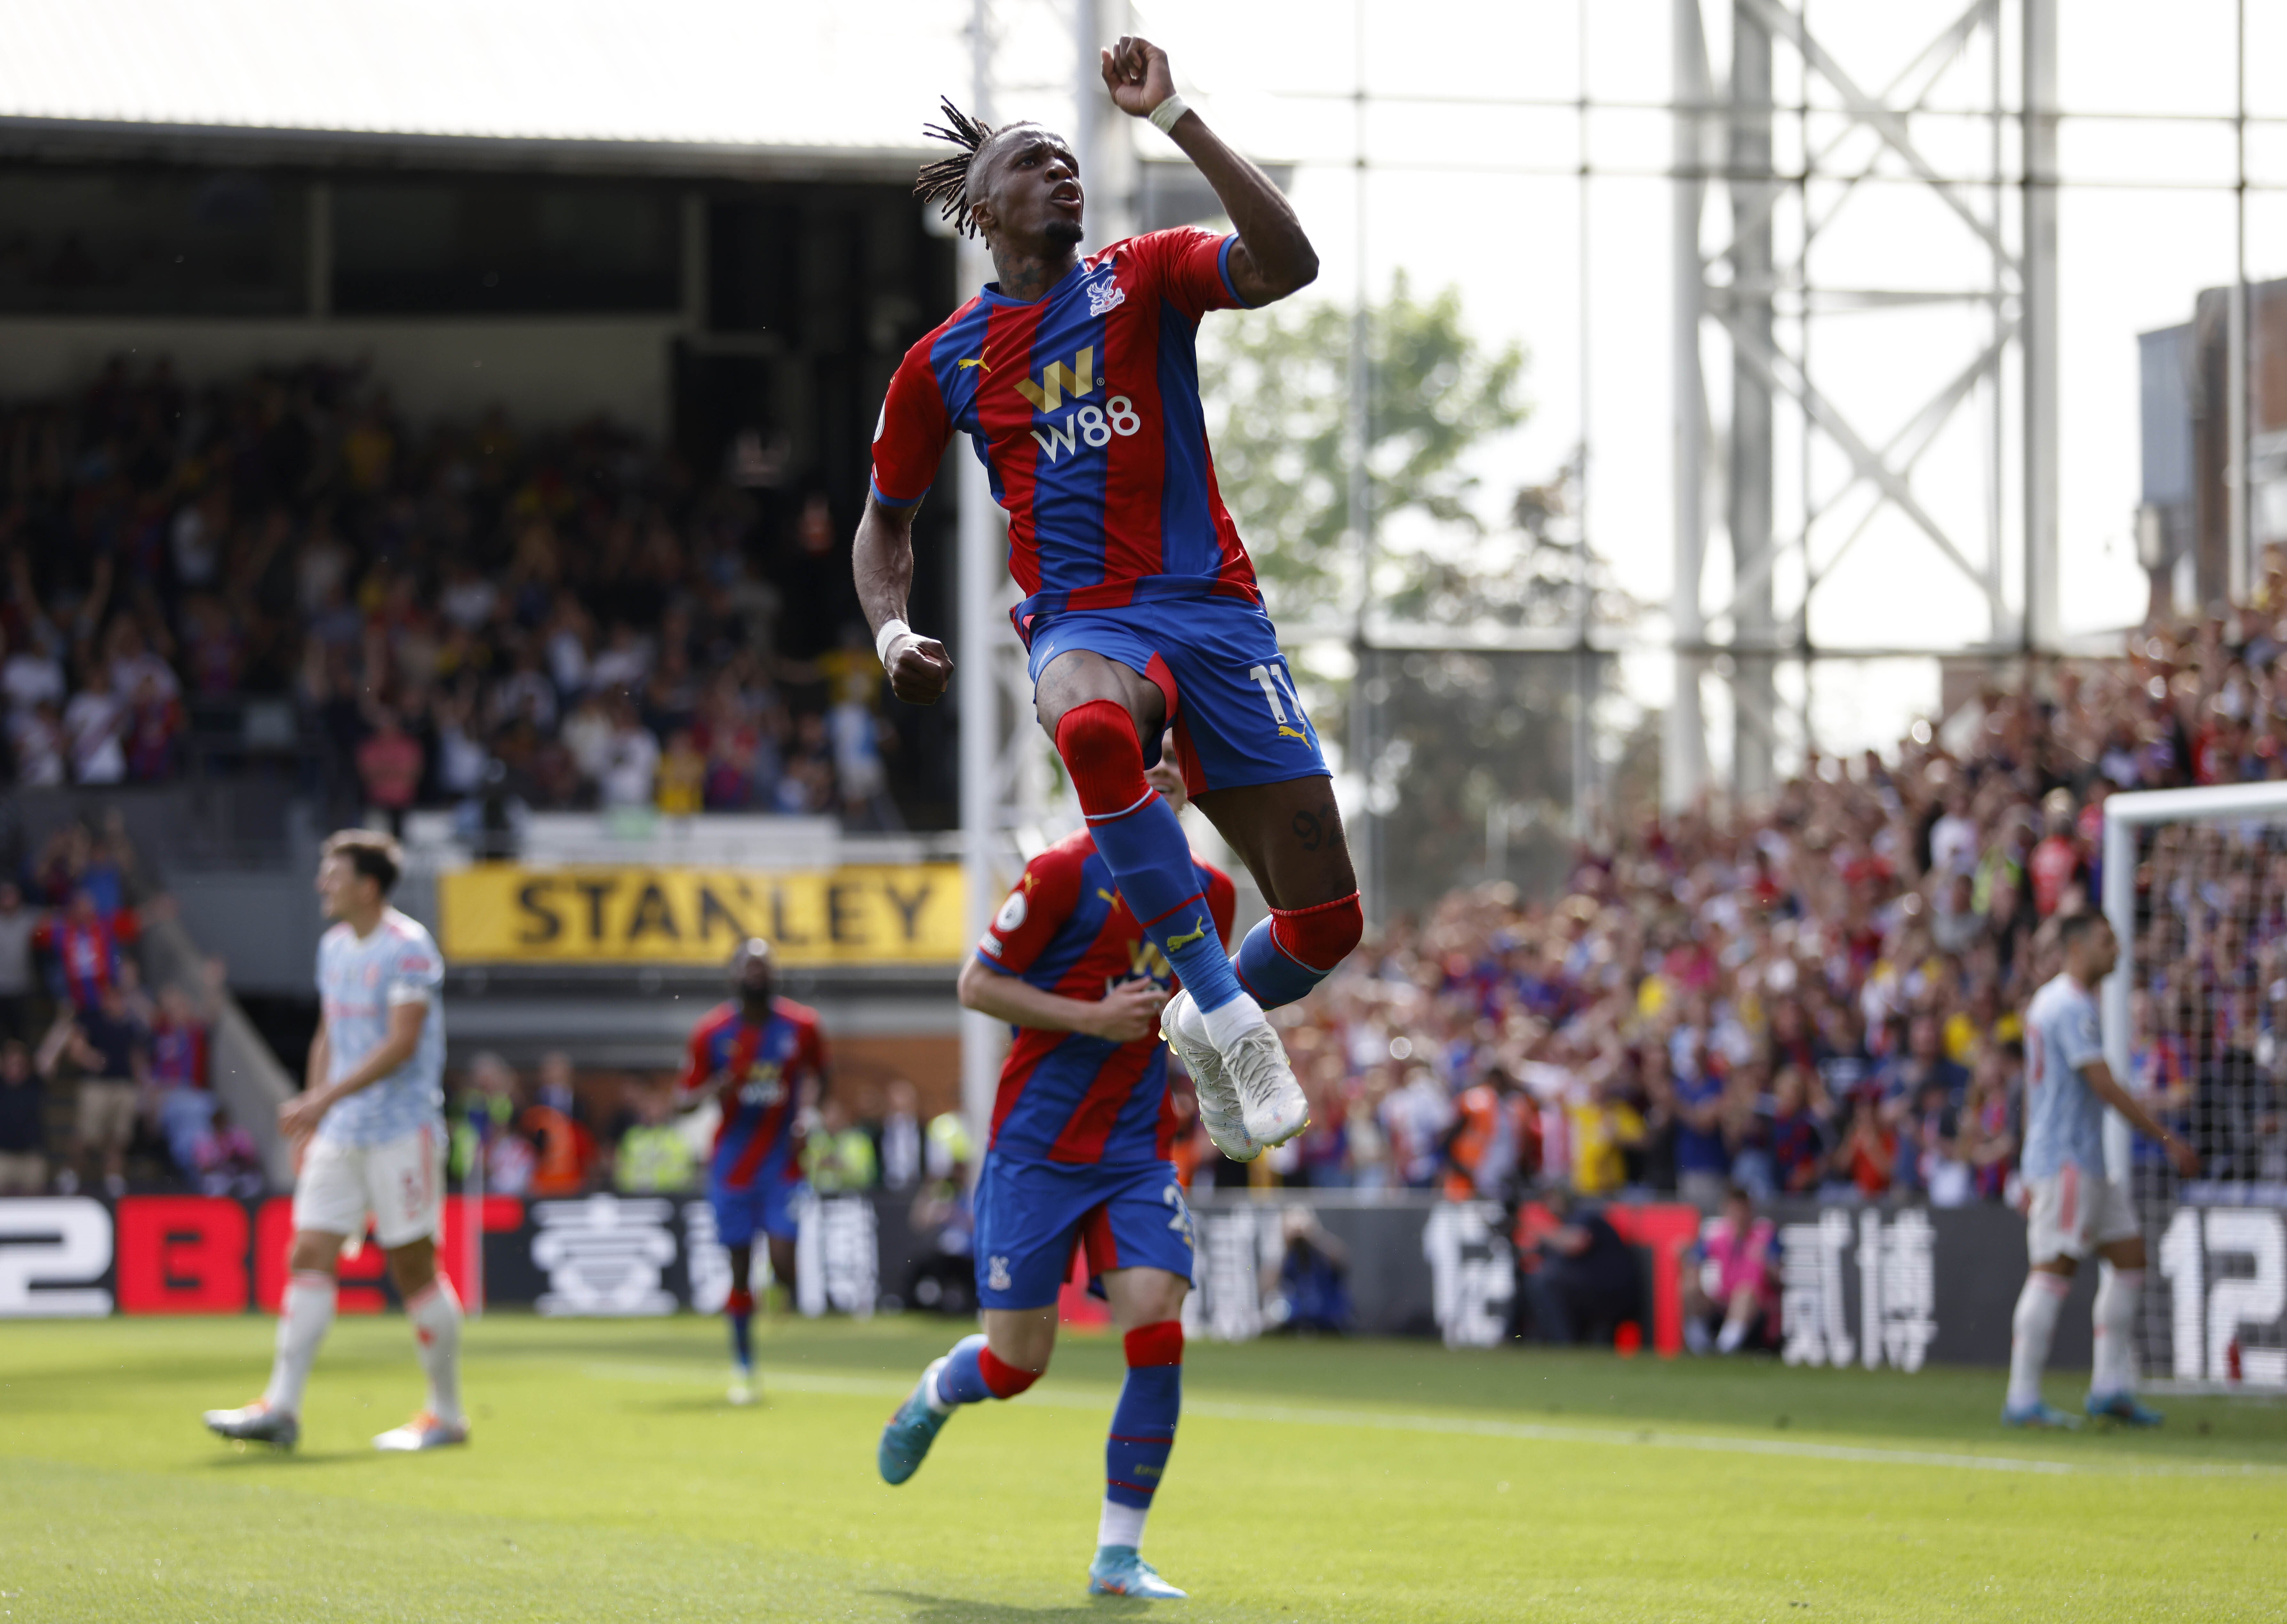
(891, 630)
(1167, 112)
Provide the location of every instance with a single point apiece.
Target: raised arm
(1273, 257)
(63, 1036)
(881, 557)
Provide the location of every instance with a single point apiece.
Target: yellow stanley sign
(499, 913)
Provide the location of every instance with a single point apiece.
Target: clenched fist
(1136, 72)
(919, 669)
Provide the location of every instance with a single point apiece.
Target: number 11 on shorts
(1270, 679)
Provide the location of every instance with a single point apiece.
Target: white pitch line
(1642, 1437)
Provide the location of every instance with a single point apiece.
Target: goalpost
(2194, 883)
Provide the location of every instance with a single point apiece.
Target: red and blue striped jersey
(1065, 1096)
(1084, 407)
(179, 1053)
(87, 952)
(756, 1069)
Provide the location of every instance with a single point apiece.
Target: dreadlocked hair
(946, 182)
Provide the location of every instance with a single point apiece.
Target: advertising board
(1877, 1287)
(504, 913)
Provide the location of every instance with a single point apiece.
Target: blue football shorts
(765, 1202)
(1231, 696)
(1032, 1216)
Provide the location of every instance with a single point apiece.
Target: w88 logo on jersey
(1090, 426)
(764, 1085)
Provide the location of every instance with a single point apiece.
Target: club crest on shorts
(996, 1274)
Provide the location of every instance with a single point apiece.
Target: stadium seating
(1820, 996)
(455, 610)
(1813, 996)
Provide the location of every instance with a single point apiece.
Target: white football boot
(1219, 1105)
(423, 1431)
(256, 1424)
(1270, 1098)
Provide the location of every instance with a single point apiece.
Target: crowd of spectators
(568, 621)
(99, 1078)
(556, 1133)
(1815, 996)
(1821, 996)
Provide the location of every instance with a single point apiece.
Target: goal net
(2195, 882)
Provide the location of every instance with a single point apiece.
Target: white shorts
(2074, 1213)
(400, 1182)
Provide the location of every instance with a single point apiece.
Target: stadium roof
(710, 83)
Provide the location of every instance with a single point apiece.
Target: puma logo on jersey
(1197, 935)
(1290, 733)
(1110, 896)
(1049, 394)
(977, 361)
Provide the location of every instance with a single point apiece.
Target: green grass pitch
(1318, 1480)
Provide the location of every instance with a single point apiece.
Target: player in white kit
(369, 1127)
(2074, 1208)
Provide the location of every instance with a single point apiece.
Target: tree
(1471, 765)
(1280, 380)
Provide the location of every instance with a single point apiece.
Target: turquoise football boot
(906, 1440)
(2122, 1407)
(1118, 1571)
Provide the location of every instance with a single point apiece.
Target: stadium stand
(574, 619)
(1813, 997)
(1820, 996)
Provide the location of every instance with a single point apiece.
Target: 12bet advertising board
(1889, 1288)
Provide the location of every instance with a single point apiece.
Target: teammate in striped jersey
(753, 1055)
(1078, 1165)
(1077, 382)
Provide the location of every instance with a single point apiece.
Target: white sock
(304, 1315)
(1121, 1524)
(2114, 1319)
(1734, 1333)
(435, 1310)
(1227, 1024)
(2031, 1328)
